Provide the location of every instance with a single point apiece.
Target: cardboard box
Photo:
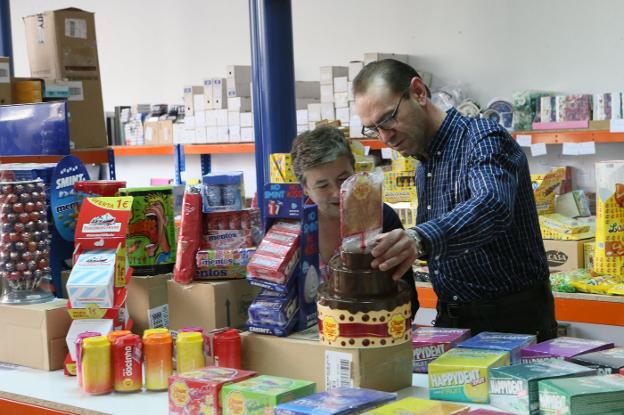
(328, 73)
(415, 406)
(207, 91)
(219, 93)
(151, 133)
(302, 117)
(339, 401)
(210, 305)
(190, 92)
(34, 335)
(237, 89)
(235, 134)
(166, 132)
(562, 348)
(234, 118)
(565, 255)
(247, 135)
(5, 80)
(605, 362)
(308, 89)
(385, 368)
(62, 45)
(341, 84)
(92, 279)
(239, 104)
(342, 115)
(239, 73)
(327, 93)
(327, 111)
(500, 342)
(585, 395)
(246, 119)
(341, 100)
(302, 103)
(429, 343)
(148, 305)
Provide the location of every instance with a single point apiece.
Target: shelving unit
(572, 136)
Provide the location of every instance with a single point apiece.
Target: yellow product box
(588, 255)
(280, 168)
(364, 163)
(415, 406)
(547, 189)
(357, 148)
(562, 224)
(550, 234)
(399, 180)
(462, 374)
(407, 195)
(400, 163)
(609, 248)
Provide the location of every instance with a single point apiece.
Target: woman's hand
(395, 249)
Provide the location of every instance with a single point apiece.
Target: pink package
(274, 250)
(429, 343)
(281, 238)
(287, 227)
(278, 270)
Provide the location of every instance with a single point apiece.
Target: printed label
(158, 316)
(76, 28)
(338, 370)
(5, 73)
(76, 91)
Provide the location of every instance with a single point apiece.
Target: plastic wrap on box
(214, 264)
(231, 230)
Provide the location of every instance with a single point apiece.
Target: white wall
(149, 49)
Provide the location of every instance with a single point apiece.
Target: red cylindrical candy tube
(227, 349)
(189, 238)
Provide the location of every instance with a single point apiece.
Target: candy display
(431, 342)
(280, 168)
(362, 307)
(361, 205)
(609, 247)
(415, 406)
(505, 342)
(605, 362)
(215, 264)
(197, 392)
(274, 312)
(127, 357)
(189, 237)
(562, 348)
(25, 274)
(97, 377)
(338, 401)
(515, 388)
(158, 356)
(189, 351)
(92, 279)
(151, 234)
(584, 395)
(223, 191)
(462, 374)
(231, 230)
(260, 395)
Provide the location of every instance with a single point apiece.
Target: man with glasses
(477, 220)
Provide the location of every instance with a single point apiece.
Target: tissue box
(585, 395)
(215, 264)
(605, 362)
(338, 401)
(562, 348)
(92, 279)
(280, 168)
(259, 395)
(462, 374)
(432, 342)
(515, 388)
(511, 343)
(415, 406)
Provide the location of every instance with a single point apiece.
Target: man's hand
(396, 249)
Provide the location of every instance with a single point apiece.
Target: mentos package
(197, 392)
(223, 191)
(216, 264)
(260, 395)
(415, 406)
(511, 343)
(431, 342)
(515, 388)
(581, 396)
(605, 362)
(273, 312)
(338, 401)
(462, 374)
(562, 348)
(231, 230)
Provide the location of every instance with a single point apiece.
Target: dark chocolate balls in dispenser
(24, 242)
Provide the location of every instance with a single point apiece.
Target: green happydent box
(259, 395)
(582, 396)
(462, 374)
(151, 240)
(515, 388)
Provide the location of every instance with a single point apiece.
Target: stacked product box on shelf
(505, 342)
(429, 343)
(582, 395)
(337, 401)
(562, 348)
(605, 362)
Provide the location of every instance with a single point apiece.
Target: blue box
(283, 200)
(338, 401)
(271, 308)
(39, 129)
(223, 191)
(507, 342)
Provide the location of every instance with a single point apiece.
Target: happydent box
(429, 343)
(505, 342)
(260, 395)
(415, 406)
(462, 374)
(562, 348)
(515, 388)
(581, 396)
(605, 362)
(338, 401)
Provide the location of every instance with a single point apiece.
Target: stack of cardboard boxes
(62, 50)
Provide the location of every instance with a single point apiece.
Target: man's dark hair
(397, 75)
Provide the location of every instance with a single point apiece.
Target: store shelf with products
(571, 136)
(574, 307)
(88, 156)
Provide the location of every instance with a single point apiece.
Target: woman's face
(322, 184)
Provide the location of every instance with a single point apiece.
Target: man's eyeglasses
(385, 124)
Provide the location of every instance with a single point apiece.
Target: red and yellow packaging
(189, 238)
(189, 351)
(158, 356)
(127, 353)
(96, 365)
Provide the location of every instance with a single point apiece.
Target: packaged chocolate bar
(511, 343)
(562, 348)
(431, 342)
(338, 401)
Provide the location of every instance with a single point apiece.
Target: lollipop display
(24, 243)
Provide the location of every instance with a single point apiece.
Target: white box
(223, 134)
(378, 56)
(207, 91)
(189, 137)
(211, 118)
(219, 93)
(302, 103)
(311, 125)
(341, 84)
(341, 99)
(307, 89)
(355, 131)
(350, 91)
(328, 73)
(201, 136)
(200, 119)
(102, 326)
(222, 117)
(246, 119)
(92, 278)
(354, 68)
(247, 135)
(302, 117)
(189, 122)
(238, 89)
(342, 114)
(211, 134)
(179, 133)
(239, 73)
(189, 100)
(199, 103)
(234, 118)
(327, 93)
(235, 134)
(327, 111)
(239, 104)
(314, 112)
(302, 128)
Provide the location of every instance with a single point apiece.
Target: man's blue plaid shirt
(477, 214)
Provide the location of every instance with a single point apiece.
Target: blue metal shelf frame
(180, 162)
(6, 40)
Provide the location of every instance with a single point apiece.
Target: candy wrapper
(361, 207)
(189, 238)
(563, 281)
(600, 284)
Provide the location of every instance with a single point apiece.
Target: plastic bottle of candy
(189, 351)
(97, 376)
(158, 356)
(78, 344)
(127, 363)
(227, 349)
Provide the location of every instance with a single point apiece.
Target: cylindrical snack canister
(227, 349)
(102, 188)
(78, 344)
(158, 356)
(147, 332)
(189, 351)
(115, 334)
(189, 238)
(127, 363)
(97, 376)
